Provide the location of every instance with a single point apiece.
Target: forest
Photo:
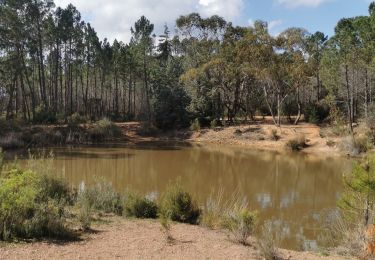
(53, 65)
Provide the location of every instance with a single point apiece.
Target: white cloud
(299, 3)
(114, 18)
(274, 24)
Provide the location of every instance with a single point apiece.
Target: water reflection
(290, 188)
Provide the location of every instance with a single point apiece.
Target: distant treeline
(52, 65)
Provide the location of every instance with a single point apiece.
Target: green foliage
(214, 123)
(104, 129)
(195, 125)
(316, 113)
(44, 116)
(178, 205)
(240, 222)
(27, 209)
(359, 196)
(139, 207)
(170, 108)
(101, 197)
(76, 119)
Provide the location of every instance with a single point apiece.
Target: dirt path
(143, 239)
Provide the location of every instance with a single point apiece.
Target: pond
(295, 190)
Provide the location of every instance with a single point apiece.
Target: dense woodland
(53, 65)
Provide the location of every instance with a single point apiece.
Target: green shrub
(240, 222)
(214, 123)
(139, 207)
(104, 129)
(316, 113)
(362, 144)
(85, 208)
(26, 210)
(297, 143)
(179, 206)
(101, 197)
(76, 119)
(44, 116)
(195, 125)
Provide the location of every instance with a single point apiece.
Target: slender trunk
(268, 104)
(299, 107)
(349, 100)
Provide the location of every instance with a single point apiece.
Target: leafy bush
(316, 113)
(76, 119)
(240, 222)
(179, 206)
(104, 129)
(297, 143)
(27, 210)
(139, 207)
(101, 197)
(44, 116)
(195, 125)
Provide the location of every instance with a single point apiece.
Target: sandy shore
(144, 239)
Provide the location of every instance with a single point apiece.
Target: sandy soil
(144, 239)
(257, 136)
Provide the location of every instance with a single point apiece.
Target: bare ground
(258, 136)
(144, 239)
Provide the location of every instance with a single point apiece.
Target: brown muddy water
(297, 191)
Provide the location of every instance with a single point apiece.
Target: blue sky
(322, 17)
(114, 18)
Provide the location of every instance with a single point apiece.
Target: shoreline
(258, 136)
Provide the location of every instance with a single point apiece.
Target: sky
(113, 19)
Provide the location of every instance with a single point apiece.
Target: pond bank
(121, 238)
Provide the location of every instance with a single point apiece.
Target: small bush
(104, 130)
(85, 209)
(195, 125)
(26, 210)
(179, 206)
(76, 119)
(316, 113)
(101, 197)
(139, 207)
(274, 136)
(214, 123)
(297, 143)
(269, 240)
(44, 116)
(240, 222)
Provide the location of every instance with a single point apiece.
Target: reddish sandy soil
(257, 136)
(143, 239)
